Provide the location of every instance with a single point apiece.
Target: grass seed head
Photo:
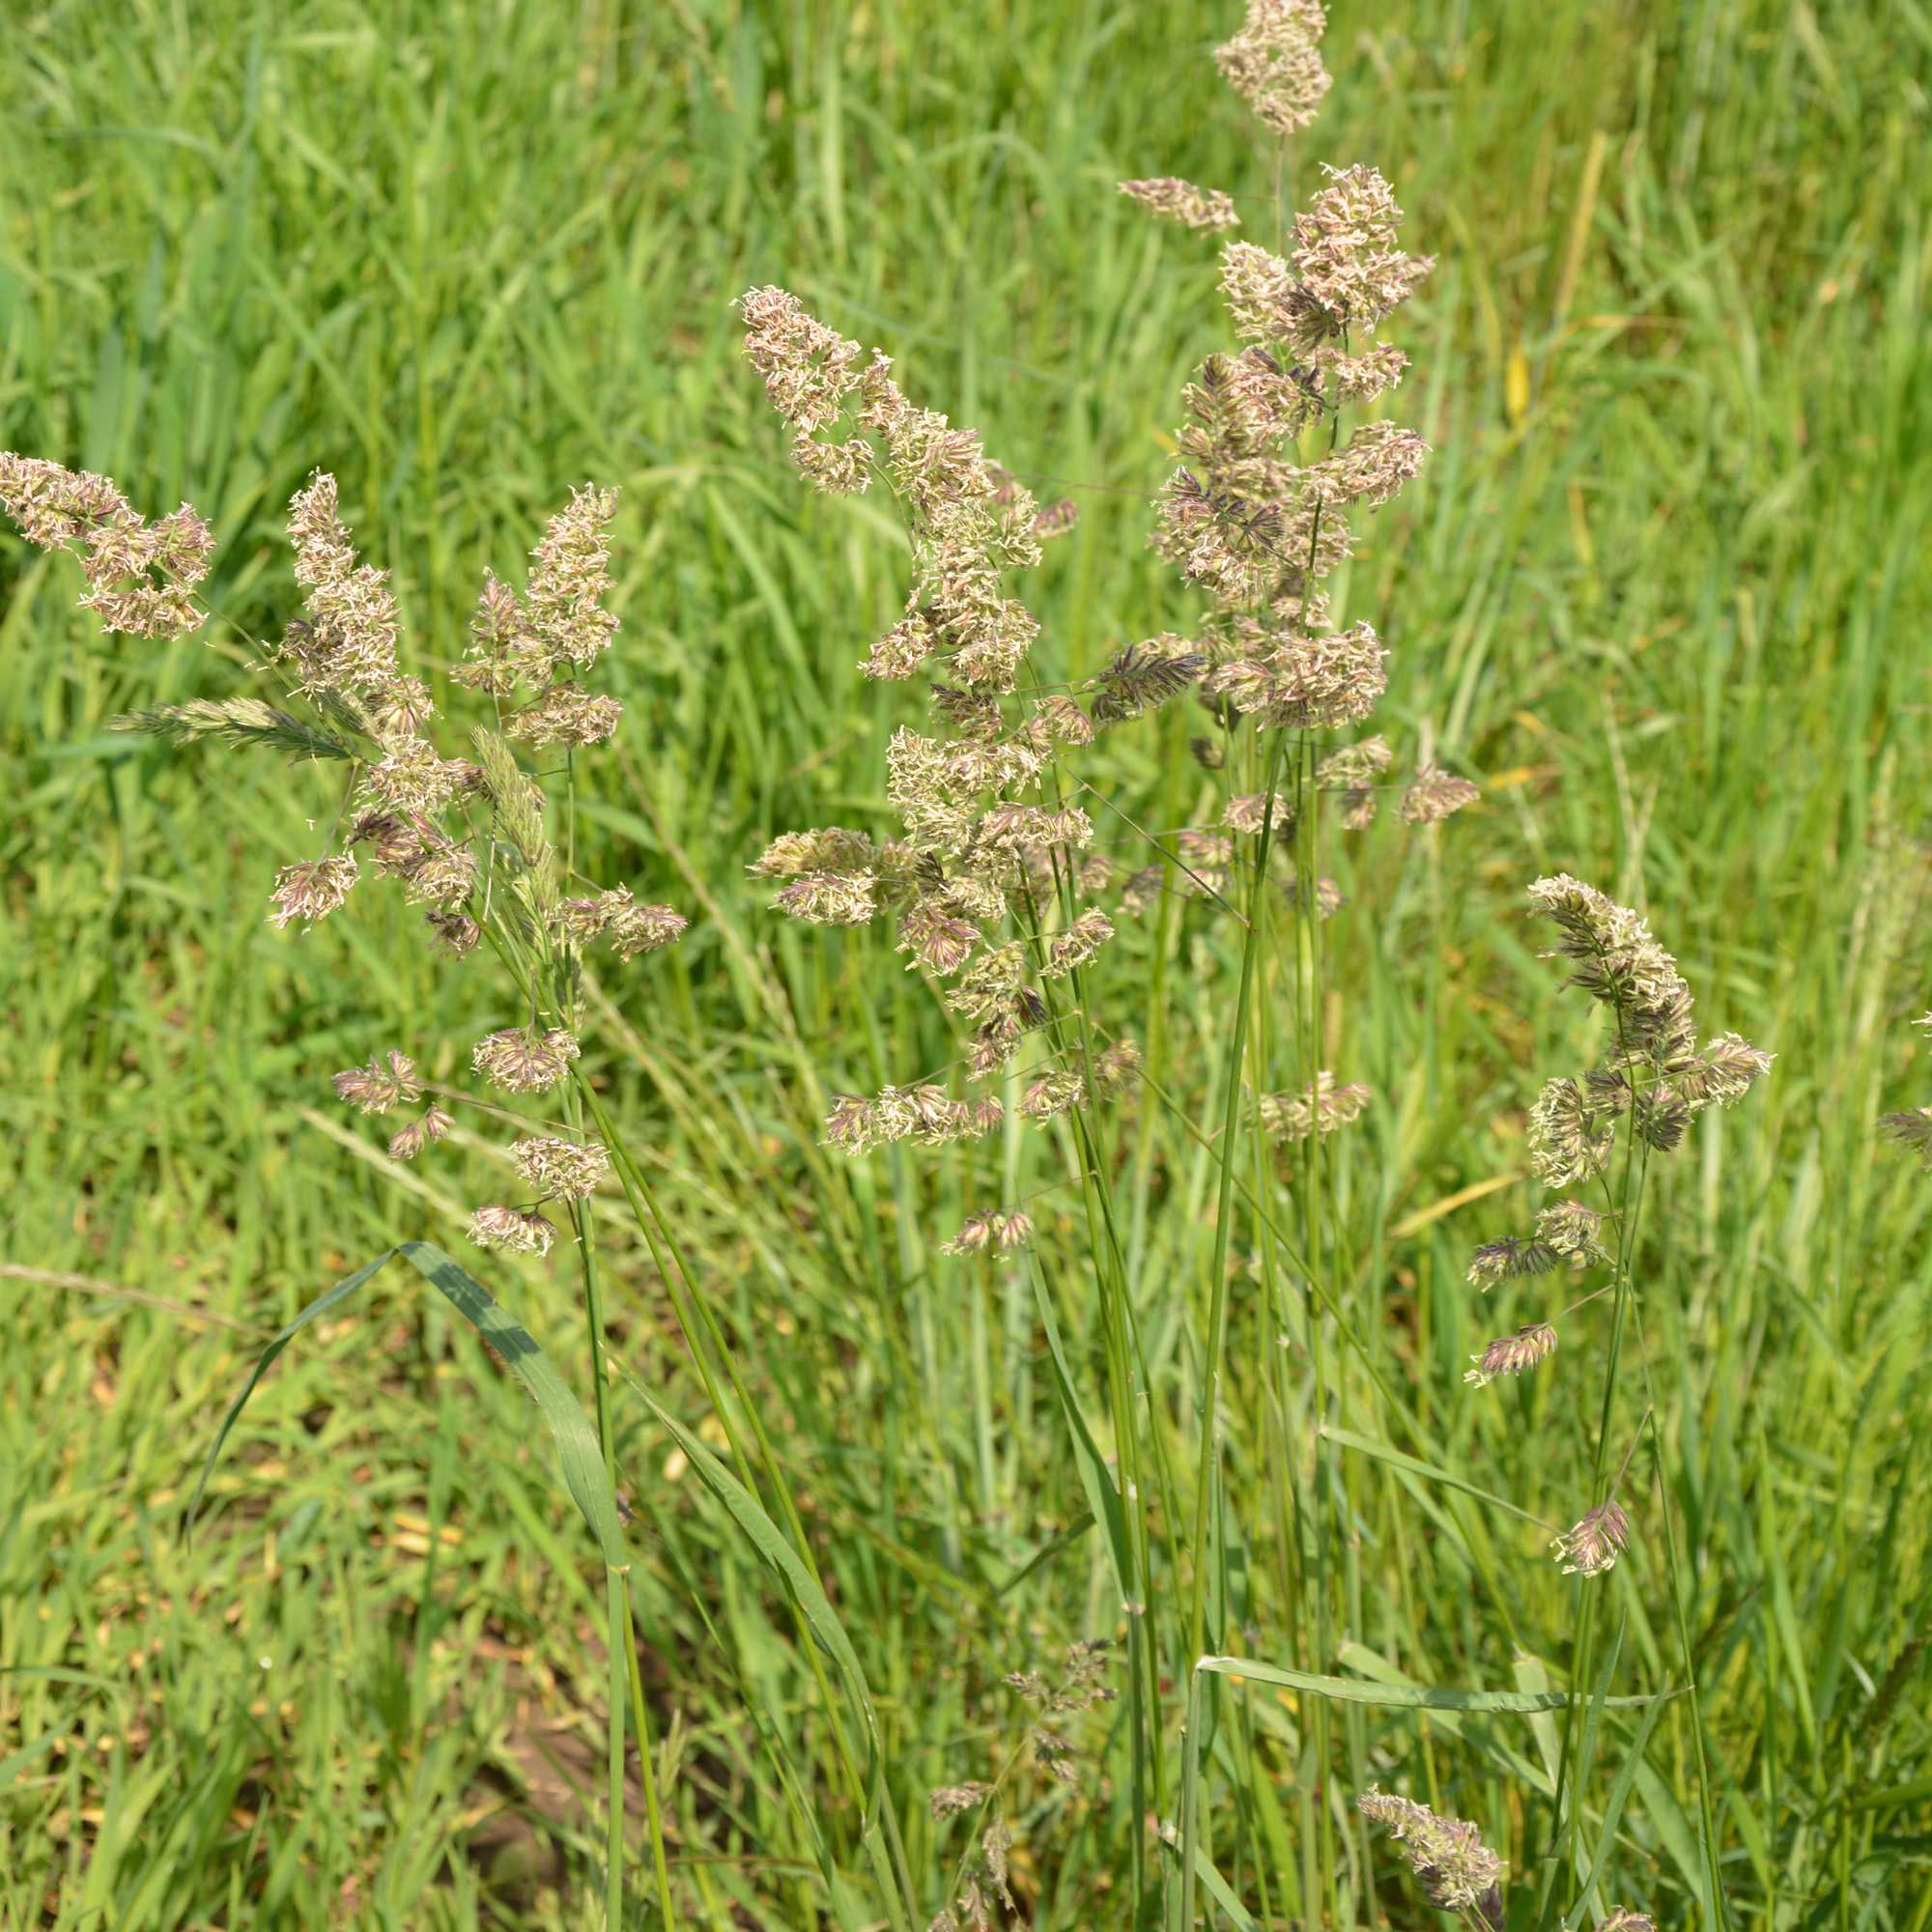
(559, 1170)
(408, 1141)
(1512, 1354)
(1593, 1544)
(519, 1230)
(1274, 63)
(312, 890)
(1176, 200)
(1321, 1109)
(388, 1080)
(1458, 1871)
(1507, 1258)
(523, 1059)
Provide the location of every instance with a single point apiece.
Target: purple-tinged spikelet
(1248, 811)
(1056, 1092)
(1593, 1544)
(1321, 1109)
(1512, 1354)
(645, 928)
(388, 1080)
(408, 1141)
(348, 641)
(454, 933)
(313, 889)
(1067, 952)
(140, 576)
(1436, 795)
(1117, 1066)
(523, 1060)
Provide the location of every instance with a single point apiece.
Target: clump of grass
(1651, 1081)
(478, 844)
(997, 885)
(989, 855)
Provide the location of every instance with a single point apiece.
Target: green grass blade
(1399, 1697)
(1619, 1794)
(577, 1449)
(1428, 1473)
(581, 1463)
(1102, 1498)
(319, 1306)
(783, 1561)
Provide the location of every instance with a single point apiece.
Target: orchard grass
(1659, 590)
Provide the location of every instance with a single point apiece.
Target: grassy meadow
(1662, 590)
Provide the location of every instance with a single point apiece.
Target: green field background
(1662, 589)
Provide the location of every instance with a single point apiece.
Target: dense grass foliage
(1662, 589)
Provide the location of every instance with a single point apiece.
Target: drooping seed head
(1594, 1542)
(1512, 1354)
(1012, 1229)
(519, 1230)
(408, 1141)
(1723, 1071)
(140, 575)
(313, 889)
(1321, 1109)
(950, 1799)
(455, 933)
(1117, 1066)
(388, 1080)
(1176, 200)
(645, 928)
(1436, 795)
(975, 1235)
(1371, 468)
(1509, 1257)
(809, 369)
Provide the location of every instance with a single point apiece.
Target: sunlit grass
(1662, 587)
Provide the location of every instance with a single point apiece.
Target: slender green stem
(1143, 1665)
(1217, 1317)
(1567, 1820)
(1715, 1906)
(614, 1853)
(686, 1295)
(1308, 1039)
